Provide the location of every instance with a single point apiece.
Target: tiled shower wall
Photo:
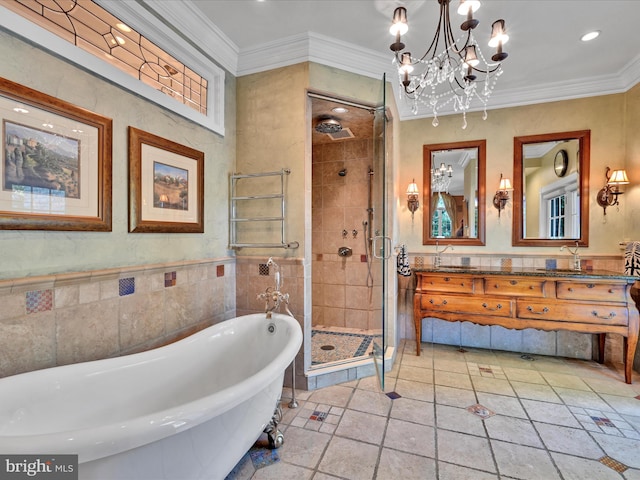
(559, 343)
(61, 319)
(339, 206)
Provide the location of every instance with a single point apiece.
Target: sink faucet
(576, 257)
(437, 260)
(275, 296)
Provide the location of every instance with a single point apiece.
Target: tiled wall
(61, 319)
(339, 206)
(254, 276)
(560, 343)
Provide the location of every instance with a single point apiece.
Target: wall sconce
(608, 195)
(501, 197)
(412, 198)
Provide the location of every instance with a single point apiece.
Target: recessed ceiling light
(339, 110)
(590, 36)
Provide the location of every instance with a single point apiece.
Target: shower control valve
(345, 252)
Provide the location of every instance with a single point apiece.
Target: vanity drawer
(446, 283)
(514, 286)
(608, 292)
(498, 307)
(603, 314)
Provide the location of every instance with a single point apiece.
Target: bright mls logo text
(49, 467)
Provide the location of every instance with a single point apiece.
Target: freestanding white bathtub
(189, 410)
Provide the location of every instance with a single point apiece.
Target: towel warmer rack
(235, 200)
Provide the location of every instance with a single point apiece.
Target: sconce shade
(413, 203)
(466, 5)
(412, 189)
(608, 195)
(618, 177)
(505, 185)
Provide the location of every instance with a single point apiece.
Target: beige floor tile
(362, 426)
(514, 430)
(415, 390)
(571, 441)
(465, 450)
(415, 411)
(580, 398)
(303, 447)
(550, 413)
(349, 459)
(624, 450)
(452, 379)
(524, 375)
(533, 391)
(283, 471)
(526, 463)
(335, 395)
(410, 437)
(624, 405)
(416, 374)
(447, 471)
(405, 466)
(450, 365)
(376, 403)
(492, 385)
(565, 380)
(454, 396)
(501, 404)
(575, 468)
(459, 420)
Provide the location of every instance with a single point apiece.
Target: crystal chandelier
(441, 178)
(450, 73)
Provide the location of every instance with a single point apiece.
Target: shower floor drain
(327, 347)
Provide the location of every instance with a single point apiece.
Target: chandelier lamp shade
(451, 68)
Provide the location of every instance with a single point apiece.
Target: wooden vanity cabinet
(598, 302)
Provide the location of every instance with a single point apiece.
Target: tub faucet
(437, 260)
(274, 298)
(576, 257)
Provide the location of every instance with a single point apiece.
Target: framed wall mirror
(551, 189)
(454, 195)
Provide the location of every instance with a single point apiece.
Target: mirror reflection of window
(551, 189)
(454, 193)
(551, 202)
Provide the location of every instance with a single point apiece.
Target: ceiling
(547, 61)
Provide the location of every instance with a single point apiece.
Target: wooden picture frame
(166, 185)
(56, 164)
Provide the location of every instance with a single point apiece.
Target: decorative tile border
(480, 411)
(170, 279)
(126, 286)
(613, 464)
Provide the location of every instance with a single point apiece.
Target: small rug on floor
(327, 346)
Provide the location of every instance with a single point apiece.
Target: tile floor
(476, 415)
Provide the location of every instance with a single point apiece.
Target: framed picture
(166, 185)
(55, 172)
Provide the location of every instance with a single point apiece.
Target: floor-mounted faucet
(576, 257)
(274, 296)
(437, 260)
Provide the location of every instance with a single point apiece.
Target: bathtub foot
(275, 436)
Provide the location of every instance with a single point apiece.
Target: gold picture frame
(56, 164)
(166, 185)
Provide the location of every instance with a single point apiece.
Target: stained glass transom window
(88, 26)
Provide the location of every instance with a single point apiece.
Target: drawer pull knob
(444, 302)
(513, 282)
(544, 310)
(570, 289)
(602, 317)
(498, 307)
(590, 285)
(447, 279)
(611, 290)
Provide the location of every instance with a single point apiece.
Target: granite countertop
(527, 272)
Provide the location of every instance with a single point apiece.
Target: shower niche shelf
(251, 214)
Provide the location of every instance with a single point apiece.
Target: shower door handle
(386, 252)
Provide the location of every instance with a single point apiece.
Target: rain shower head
(328, 125)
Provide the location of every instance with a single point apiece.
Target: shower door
(380, 239)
